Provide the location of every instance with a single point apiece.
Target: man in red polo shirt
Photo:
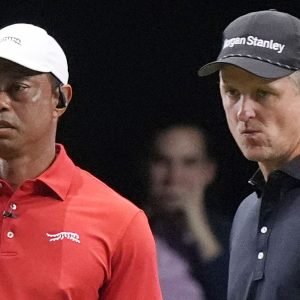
(64, 233)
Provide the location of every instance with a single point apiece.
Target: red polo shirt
(66, 235)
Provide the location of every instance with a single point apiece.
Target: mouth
(5, 125)
(249, 132)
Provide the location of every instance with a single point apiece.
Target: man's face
(27, 110)
(179, 169)
(263, 115)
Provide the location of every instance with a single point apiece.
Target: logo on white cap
(31, 46)
(11, 38)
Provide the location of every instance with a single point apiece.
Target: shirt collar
(257, 181)
(291, 168)
(59, 175)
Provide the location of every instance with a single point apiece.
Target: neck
(28, 166)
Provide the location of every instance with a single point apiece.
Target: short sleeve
(134, 273)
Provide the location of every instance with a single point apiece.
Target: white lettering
(234, 41)
(255, 42)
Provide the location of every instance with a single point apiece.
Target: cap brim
(255, 66)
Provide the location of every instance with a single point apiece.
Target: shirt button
(264, 229)
(260, 255)
(13, 206)
(10, 235)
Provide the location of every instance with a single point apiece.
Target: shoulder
(248, 207)
(107, 214)
(100, 205)
(246, 217)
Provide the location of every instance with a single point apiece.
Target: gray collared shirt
(265, 239)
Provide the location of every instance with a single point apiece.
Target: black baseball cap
(265, 43)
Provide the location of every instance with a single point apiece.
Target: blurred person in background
(180, 169)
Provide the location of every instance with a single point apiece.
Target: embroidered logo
(74, 237)
(255, 42)
(12, 39)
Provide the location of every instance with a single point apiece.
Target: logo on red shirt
(72, 236)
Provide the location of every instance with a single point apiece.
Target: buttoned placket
(8, 222)
(270, 198)
(10, 214)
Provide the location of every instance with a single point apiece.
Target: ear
(66, 93)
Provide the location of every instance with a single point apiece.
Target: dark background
(133, 64)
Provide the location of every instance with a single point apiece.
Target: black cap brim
(255, 66)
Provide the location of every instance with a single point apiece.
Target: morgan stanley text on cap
(265, 43)
(31, 47)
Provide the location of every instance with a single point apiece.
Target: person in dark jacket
(260, 88)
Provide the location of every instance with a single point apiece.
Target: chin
(254, 155)
(256, 152)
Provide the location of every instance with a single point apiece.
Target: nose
(246, 109)
(4, 101)
(174, 173)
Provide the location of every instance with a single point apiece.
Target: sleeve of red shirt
(134, 266)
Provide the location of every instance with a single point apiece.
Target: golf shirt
(66, 235)
(265, 239)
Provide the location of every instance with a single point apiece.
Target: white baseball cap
(31, 46)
